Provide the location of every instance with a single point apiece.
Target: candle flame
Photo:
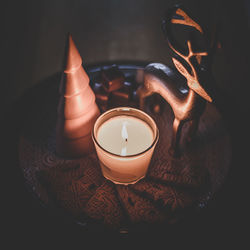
(124, 131)
(124, 151)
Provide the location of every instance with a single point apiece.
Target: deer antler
(192, 79)
(186, 20)
(193, 76)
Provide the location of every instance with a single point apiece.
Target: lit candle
(125, 139)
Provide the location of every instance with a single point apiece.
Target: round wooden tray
(173, 188)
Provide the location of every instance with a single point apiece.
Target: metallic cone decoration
(77, 109)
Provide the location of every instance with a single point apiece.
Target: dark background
(32, 48)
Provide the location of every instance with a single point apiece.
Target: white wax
(125, 135)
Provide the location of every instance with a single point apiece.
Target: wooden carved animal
(187, 106)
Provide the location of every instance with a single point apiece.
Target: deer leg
(142, 93)
(193, 127)
(176, 135)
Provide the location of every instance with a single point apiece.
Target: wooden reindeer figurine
(186, 106)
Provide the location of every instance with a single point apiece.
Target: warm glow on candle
(113, 135)
(125, 139)
(124, 131)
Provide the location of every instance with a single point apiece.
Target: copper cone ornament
(77, 109)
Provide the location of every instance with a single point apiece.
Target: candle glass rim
(117, 109)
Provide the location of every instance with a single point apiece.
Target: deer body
(186, 106)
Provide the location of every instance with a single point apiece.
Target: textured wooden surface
(171, 188)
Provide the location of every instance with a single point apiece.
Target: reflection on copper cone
(74, 60)
(77, 109)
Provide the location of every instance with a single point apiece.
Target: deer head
(193, 59)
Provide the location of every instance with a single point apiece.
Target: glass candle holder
(125, 139)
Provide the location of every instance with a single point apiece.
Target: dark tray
(211, 150)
